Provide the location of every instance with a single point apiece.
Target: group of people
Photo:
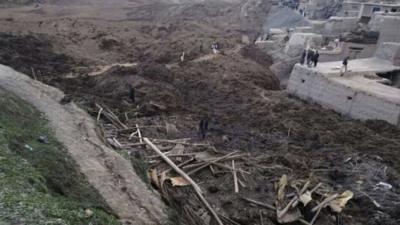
(303, 12)
(310, 57)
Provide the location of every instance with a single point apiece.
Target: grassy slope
(40, 186)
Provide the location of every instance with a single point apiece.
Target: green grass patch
(39, 183)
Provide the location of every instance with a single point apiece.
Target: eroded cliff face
(252, 16)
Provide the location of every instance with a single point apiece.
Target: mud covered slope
(275, 133)
(39, 181)
(5, 3)
(144, 30)
(110, 174)
(280, 135)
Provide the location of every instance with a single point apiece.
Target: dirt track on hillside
(276, 133)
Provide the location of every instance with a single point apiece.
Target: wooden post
(235, 180)
(33, 73)
(99, 114)
(139, 133)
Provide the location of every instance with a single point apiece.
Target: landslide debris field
(95, 52)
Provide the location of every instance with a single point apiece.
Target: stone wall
(388, 27)
(300, 41)
(389, 51)
(345, 97)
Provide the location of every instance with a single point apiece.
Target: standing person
(215, 47)
(316, 58)
(201, 46)
(132, 95)
(310, 57)
(336, 41)
(183, 57)
(303, 57)
(345, 63)
(203, 127)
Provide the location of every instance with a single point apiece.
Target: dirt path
(106, 170)
(103, 69)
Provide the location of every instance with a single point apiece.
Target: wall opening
(393, 76)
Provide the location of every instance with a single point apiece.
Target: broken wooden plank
(229, 168)
(180, 165)
(99, 114)
(173, 155)
(132, 134)
(112, 117)
(324, 202)
(304, 222)
(301, 192)
(208, 163)
(241, 183)
(265, 205)
(33, 73)
(235, 180)
(126, 117)
(139, 133)
(117, 142)
(131, 129)
(316, 216)
(229, 219)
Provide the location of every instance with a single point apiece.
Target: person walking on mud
(303, 57)
(132, 95)
(344, 67)
(203, 127)
(201, 47)
(310, 57)
(316, 58)
(215, 47)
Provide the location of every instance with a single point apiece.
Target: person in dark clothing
(203, 127)
(303, 57)
(310, 57)
(201, 47)
(345, 63)
(316, 58)
(132, 94)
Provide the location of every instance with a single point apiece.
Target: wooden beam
(184, 175)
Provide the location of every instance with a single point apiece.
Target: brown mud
(277, 133)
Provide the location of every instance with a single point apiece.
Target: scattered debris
(28, 147)
(251, 119)
(338, 204)
(384, 186)
(88, 213)
(186, 177)
(43, 139)
(179, 181)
